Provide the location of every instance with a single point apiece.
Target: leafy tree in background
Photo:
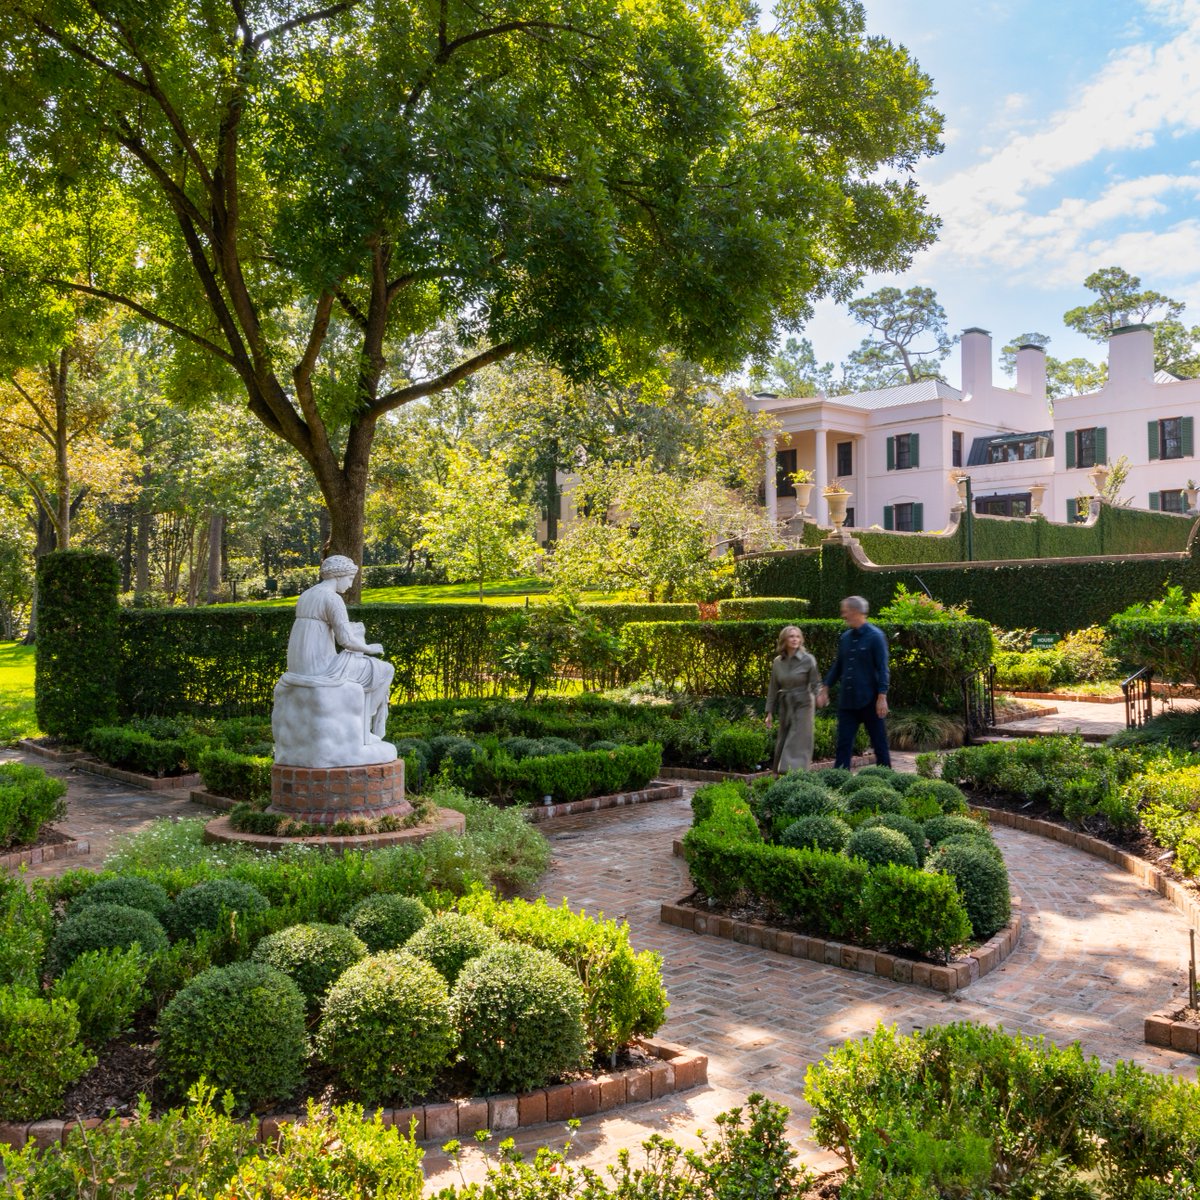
(1121, 300)
(794, 371)
(910, 340)
(1064, 377)
(318, 190)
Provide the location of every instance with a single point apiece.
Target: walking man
(861, 668)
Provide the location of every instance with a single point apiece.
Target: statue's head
(340, 569)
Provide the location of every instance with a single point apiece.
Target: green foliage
(520, 1015)
(921, 912)
(77, 630)
(386, 922)
(877, 846)
(26, 922)
(981, 878)
(870, 799)
(107, 988)
(623, 991)
(796, 794)
(130, 890)
(741, 747)
(104, 927)
(896, 780)
(449, 942)
(1032, 671)
(245, 777)
(136, 750)
(1167, 797)
(939, 828)
(901, 824)
(29, 798)
(922, 729)
(311, 956)
(568, 777)
(727, 812)
(771, 609)
(40, 1055)
(388, 1028)
(210, 904)
(832, 777)
(827, 833)
(947, 797)
(240, 1027)
(1178, 729)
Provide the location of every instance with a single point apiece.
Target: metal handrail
(979, 701)
(1139, 698)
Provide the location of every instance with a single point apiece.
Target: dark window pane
(1085, 447)
(904, 518)
(1170, 434)
(956, 449)
(845, 458)
(903, 452)
(785, 465)
(1172, 501)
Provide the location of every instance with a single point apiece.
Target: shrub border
(675, 1069)
(949, 978)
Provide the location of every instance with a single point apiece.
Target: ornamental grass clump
(105, 927)
(311, 956)
(520, 1016)
(388, 1029)
(385, 922)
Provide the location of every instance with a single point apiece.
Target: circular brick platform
(444, 820)
(325, 795)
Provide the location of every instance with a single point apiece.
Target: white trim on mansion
(895, 448)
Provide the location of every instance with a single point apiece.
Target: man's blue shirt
(861, 666)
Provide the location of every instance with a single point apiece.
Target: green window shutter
(918, 517)
(1155, 501)
(1070, 449)
(1188, 436)
(1072, 510)
(1102, 444)
(1152, 439)
(891, 454)
(889, 513)
(914, 442)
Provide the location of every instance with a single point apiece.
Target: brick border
(44, 854)
(446, 820)
(698, 775)
(58, 756)
(150, 783)
(674, 1069)
(1161, 1030)
(536, 813)
(949, 978)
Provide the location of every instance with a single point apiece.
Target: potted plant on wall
(837, 497)
(803, 481)
(1192, 488)
(1099, 477)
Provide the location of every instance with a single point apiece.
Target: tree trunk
(141, 552)
(62, 474)
(552, 495)
(347, 523)
(127, 551)
(324, 527)
(216, 527)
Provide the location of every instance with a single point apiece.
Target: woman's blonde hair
(784, 634)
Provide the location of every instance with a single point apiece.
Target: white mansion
(894, 449)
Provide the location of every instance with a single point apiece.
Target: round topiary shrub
(385, 921)
(980, 843)
(938, 829)
(450, 941)
(388, 1028)
(741, 747)
(855, 782)
(878, 846)
(796, 795)
(239, 1027)
(901, 824)
(948, 798)
(874, 798)
(204, 905)
(982, 881)
(311, 956)
(520, 1018)
(832, 777)
(40, 1055)
(522, 747)
(130, 890)
(557, 745)
(105, 927)
(603, 744)
(896, 780)
(459, 752)
(827, 833)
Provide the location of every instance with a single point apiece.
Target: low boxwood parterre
(29, 800)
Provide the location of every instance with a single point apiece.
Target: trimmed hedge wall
(769, 609)
(733, 658)
(1170, 645)
(618, 614)
(75, 682)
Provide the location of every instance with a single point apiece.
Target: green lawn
(16, 692)
(505, 591)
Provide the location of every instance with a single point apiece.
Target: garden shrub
(240, 1027)
(1031, 671)
(1085, 656)
(130, 890)
(520, 1018)
(901, 824)
(26, 922)
(878, 846)
(796, 794)
(458, 754)
(311, 956)
(569, 777)
(703, 797)
(828, 833)
(40, 1054)
(236, 776)
(770, 608)
(937, 829)
(1176, 730)
(29, 798)
(105, 927)
(895, 780)
(728, 812)
(623, 991)
(107, 988)
(387, 1029)
(982, 878)
(741, 747)
(136, 750)
(206, 905)
(917, 911)
(832, 777)
(978, 843)
(76, 673)
(385, 921)
(948, 798)
(449, 942)
(872, 798)
(415, 753)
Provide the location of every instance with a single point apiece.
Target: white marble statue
(331, 706)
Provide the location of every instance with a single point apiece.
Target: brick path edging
(58, 756)
(44, 854)
(949, 978)
(1181, 897)
(674, 1069)
(646, 795)
(703, 775)
(151, 783)
(1162, 1030)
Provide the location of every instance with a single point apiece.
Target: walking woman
(790, 697)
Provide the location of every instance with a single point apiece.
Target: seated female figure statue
(312, 719)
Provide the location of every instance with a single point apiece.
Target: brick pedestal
(325, 795)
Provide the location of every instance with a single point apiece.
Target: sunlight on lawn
(16, 692)
(506, 591)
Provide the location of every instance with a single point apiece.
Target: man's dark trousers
(848, 721)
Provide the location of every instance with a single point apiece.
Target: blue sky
(1072, 143)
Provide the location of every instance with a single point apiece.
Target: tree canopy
(910, 341)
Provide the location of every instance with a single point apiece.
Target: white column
(769, 479)
(860, 475)
(821, 471)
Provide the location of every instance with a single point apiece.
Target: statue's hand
(374, 648)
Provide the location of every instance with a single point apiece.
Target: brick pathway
(1099, 953)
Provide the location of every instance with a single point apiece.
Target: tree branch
(439, 383)
(352, 310)
(321, 14)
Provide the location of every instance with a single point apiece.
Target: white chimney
(1131, 355)
(975, 350)
(1031, 371)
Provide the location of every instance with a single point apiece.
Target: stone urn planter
(959, 479)
(837, 499)
(1037, 492)
(1099, 477)
(1193, 494)
(803, 496)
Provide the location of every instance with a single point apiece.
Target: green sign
(1044, 641)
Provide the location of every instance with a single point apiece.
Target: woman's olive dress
(795, 681)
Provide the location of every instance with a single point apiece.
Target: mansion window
(785, 467)
(1172, 437)
(1171, 501)
(1016, 504)
(904, 518)
(903, 452)
(1087, 447)
(956, 448)
(845, 459)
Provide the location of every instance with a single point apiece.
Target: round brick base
(325, 795)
